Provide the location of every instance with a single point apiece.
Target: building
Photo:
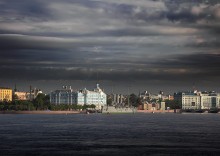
(170, 97)
(162, 106)
(149, 97)
(28, 95)
(117, 99)
(63, 96)
(5, 94)
(189, 100)
(21, 95)
(151, 106)
(81, 97)
(198, 100)
(33, 93)
(210, 100)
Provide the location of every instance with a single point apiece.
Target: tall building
(81, 97)
(117, 99)
(198, 100)
(5, 94)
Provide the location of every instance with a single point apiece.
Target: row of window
(4, 95)
(67, 95)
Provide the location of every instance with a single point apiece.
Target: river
(113, 134)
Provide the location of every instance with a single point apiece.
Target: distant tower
(30, 92)
(15, 89)
(97, 78)
(129, 96)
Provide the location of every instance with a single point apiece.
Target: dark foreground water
(114, 134)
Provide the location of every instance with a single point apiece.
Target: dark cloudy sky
(153, 45)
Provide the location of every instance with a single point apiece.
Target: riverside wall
(157, 111)
(41, 112)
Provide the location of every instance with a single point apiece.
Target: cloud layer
(121, 41)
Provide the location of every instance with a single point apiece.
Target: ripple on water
(120, 134)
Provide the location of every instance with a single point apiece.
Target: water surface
(114, 134)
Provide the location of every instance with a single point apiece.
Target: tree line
(41, 102)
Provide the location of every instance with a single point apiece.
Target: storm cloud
(153, 44)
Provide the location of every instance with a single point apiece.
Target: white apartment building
(198, 100)
(81, 97)
(210, 100)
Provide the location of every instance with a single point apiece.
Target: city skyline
(124, 45)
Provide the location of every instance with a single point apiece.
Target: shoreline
(158, 111)
(83, 112)
(41, 112)
(77, 112)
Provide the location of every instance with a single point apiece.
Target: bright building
(28, 95)
(198, 100)
(81, 97)
(21, 95)
(151, 106)
(5, 94)
(210, 100)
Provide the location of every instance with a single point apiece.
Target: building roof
(5, 88)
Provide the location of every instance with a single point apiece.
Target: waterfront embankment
(41, 112)
(158, 111)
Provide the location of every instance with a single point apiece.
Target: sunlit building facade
(210, 100)
(5, 94)
(28, 95)
(21, 95)
(198, 100)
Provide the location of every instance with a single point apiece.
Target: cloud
(187, 11)
(121, 40)
(26, 11)
(178, 68)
